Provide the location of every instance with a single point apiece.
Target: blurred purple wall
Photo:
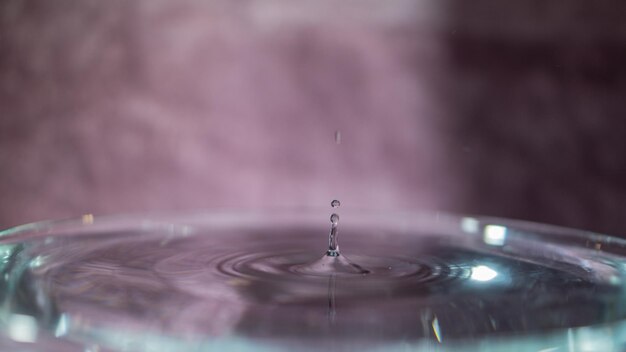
(501, 109)
(538, 105)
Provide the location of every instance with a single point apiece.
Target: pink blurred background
(508, 109)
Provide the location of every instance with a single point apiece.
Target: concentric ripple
(297, 266)
(284, 274)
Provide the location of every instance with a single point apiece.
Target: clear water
(221, 282)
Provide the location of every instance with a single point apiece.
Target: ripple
(298, 266)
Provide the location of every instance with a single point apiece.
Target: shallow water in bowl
(256, 284)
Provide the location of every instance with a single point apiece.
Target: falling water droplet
(335, 203)
(338, 137)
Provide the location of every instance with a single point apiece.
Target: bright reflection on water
(483, 273)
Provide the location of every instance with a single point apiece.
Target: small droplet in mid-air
(335, 203)
(338, 137)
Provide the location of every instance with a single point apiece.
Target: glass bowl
(251, 280)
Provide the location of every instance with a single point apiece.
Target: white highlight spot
(92, 348)
(494, 235)
(483, 273)
(436, 330)
(62, 326)
(469, 225)
(36, 262)
(22, 328)
(550, 349)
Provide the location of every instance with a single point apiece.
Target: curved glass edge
(492, 227)
(605, 338)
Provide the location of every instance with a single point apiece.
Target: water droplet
(338, 137)
(334, 219)
(333, 262)
(333, 246)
